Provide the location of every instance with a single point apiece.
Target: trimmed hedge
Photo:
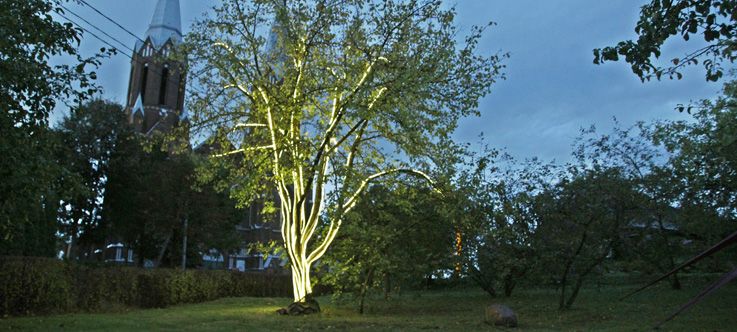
(33, 285)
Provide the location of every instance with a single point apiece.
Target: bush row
(32, 285)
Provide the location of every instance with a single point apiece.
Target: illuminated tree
(310, 107)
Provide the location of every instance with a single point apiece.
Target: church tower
(155, 100)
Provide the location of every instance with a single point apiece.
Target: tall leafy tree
(29, 190)
(373, 252)
(31, 84)
(310, 105)
(703, 152)
(581, 221)
(653, 242)
(148, 196)
(90, 135)
(31, 88)
(153, 199)
(504, 251)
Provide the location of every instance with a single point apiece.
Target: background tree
(504, 246)
(714, 21)
(337, 80)
(31, 85)
(702, 159)
(29, 191)
(150, 193)
(581, 220)
(89, 137)
(30, 90)
(373, 250)
(652, 242)
(149, 197)
(213, 217)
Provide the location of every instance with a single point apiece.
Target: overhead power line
(111, 20)
(96, 28)
(158, 73)
(93, 34)
(131, 56)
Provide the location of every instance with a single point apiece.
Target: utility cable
(96, 27)
(111, 20)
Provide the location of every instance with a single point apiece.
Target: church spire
(157, 82)
(166, 23)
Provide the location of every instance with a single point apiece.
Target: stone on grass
(309, 306)
(500, 315)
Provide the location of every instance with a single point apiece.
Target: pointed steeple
(166, 23)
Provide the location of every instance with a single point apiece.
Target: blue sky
(552, 87)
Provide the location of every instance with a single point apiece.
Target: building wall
(153, 65)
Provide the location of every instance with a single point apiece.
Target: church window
(144, 78)
(164, 83)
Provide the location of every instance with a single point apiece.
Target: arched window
(144, 79)
(164, 84)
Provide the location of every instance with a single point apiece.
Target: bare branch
(230, 153)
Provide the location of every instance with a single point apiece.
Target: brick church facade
(155, 99)
(155, 103)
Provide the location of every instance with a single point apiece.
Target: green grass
(451, 310)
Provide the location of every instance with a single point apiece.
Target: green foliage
(304, 108)
(704, 153)
(89, 137)
(34, 286)
(31, 85)
(150, 192)
(652, 240)
(164, 287)
(715, 21)
(44, 285)
(395, 237)
(260, 284)
(31, 88)
(29, 190)
(702, 162)
(581, 220)
(101, 288)
(502, 253)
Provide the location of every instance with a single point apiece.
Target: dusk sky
(552, 87)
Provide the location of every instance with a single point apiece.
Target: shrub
(261, 284)
(99, 288)
(34, 286)
(46, 285)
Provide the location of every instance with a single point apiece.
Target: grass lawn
(449, 310)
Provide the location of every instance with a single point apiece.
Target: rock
(500, 315)
(309, 306)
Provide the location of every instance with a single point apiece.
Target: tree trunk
(163, 250)
(184, 245)
(364, 290)
(574, 292)
(675, 283)
(387, 285)
(509, 284)
(562, 300)
(301, 284)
